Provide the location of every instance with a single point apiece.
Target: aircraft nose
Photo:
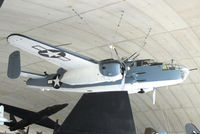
(184, 73)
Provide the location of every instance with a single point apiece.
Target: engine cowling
(110, 67)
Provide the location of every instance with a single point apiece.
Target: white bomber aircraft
(79, 73)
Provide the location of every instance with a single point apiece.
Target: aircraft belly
(155, 84)
(88, 75)
(83, 89)
(104, 86)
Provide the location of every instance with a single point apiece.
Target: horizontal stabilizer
(41, 82)
(31, 75)
(14, 67)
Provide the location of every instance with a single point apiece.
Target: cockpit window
(147, 62)
(171, 67)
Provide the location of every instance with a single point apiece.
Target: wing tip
(9, 38)
(12, 38)
(13, 34)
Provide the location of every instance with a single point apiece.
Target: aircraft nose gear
(56, 83)
(141, 91)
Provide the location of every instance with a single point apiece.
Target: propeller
(124, 66)
(154, 95)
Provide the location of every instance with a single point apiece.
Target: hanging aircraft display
(79, 73)
(29, 117)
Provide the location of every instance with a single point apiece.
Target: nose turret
(184, 73)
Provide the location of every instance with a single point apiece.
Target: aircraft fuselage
(145, 77)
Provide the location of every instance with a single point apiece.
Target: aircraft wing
(47, 122)
(26, 114)
(58, 56)
(100, 113)
(19, 112)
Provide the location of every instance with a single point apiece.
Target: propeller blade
(27, 131)
(154, 96)
(117, 55)
(123, 80)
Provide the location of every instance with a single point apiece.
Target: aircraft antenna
(145, 40)
(110, 46)
(66, 44)
(92, 29)
(119, 24)
(136, 54)
(166, 120)
(116, 32)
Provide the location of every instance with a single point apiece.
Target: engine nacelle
(110, 67)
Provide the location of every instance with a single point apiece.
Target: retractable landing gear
(141, 91)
